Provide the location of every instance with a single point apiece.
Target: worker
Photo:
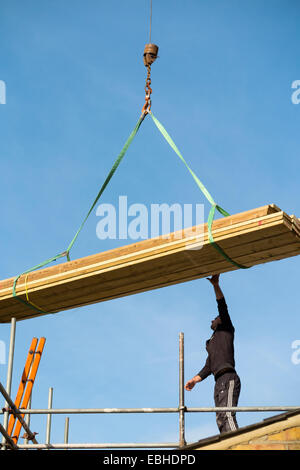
(220, 362)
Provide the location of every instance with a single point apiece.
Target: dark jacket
(220, 346)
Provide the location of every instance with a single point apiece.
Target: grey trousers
(226, 394)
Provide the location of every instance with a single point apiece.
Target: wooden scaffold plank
(250, 238)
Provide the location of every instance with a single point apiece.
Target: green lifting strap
(110, 175)
(208, 196)
(117, 162)
(67, 252)
(41, 265)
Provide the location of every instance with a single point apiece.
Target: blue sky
(74, 90)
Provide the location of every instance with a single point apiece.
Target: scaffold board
(250, 238)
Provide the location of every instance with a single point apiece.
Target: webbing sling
(201, 186)
(67, 252)
(110, 175)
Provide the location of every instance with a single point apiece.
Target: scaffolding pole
(66, 435)
(9, 374)
(181, 391)
(64, 411)
(8, 441)
(48, 426)
(93, 410)
(181, 409)
(17, 413)
(129, 445)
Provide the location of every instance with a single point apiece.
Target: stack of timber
(249, 238)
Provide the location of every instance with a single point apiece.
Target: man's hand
(192, 382)
(214, 280)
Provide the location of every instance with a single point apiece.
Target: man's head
(215, 323)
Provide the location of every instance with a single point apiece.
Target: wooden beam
(250, 238)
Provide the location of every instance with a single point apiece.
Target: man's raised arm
(222, 306)
(214, 280)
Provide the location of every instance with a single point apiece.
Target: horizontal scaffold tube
(154, 410)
